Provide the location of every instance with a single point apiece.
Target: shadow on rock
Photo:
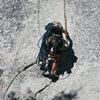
(12, 96)
(69, 96)
(30, 98)
(1, 72)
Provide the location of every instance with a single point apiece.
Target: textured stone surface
(19, 33)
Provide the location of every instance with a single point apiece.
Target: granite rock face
(22, 23)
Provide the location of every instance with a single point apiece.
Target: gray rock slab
(22, 23)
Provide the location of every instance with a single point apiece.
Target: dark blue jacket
(43, 52)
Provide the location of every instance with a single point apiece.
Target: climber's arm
(66, 33)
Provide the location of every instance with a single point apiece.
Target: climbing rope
(31, 63)
(39, 16)
(25, 68)
(65, 20)
(65, 17)
(42, 89)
